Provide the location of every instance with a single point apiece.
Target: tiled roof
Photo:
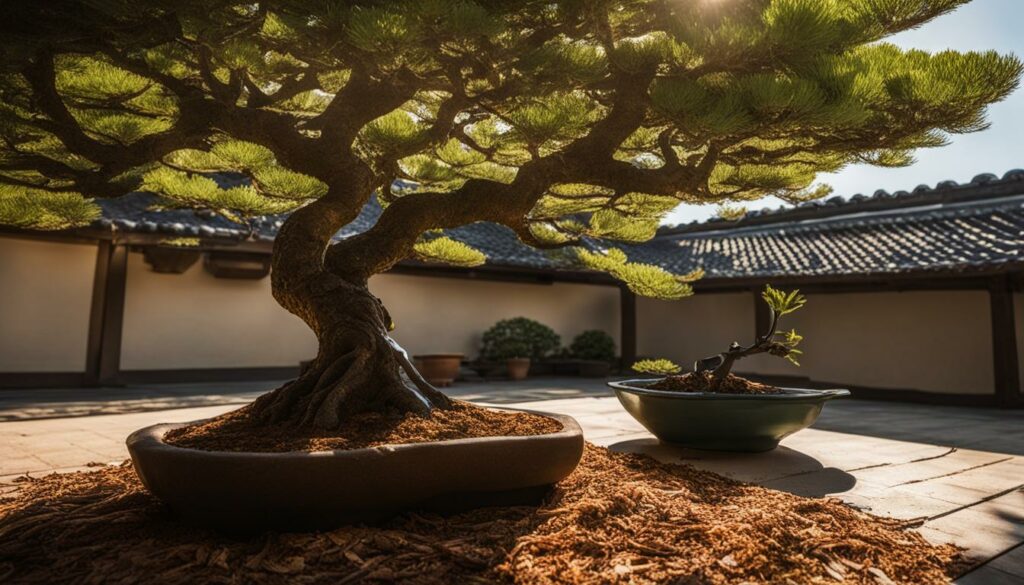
(951, 227)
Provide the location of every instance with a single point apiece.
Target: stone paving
(958, 471)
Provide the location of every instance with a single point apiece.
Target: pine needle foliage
(570, 122)
(449, 251)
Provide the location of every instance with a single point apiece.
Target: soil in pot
(518, 368)
(237, 432)
(701, 382)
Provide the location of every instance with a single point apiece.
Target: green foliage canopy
(563, 120)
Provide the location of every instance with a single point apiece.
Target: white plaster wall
(693, 327)
(45, 298)
(932, 341)
(193, 320)
(440, 315)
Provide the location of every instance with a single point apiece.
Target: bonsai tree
(518, 338)
(781, 344)
(593, 345)
(569, 122)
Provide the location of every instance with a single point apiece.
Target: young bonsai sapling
(781, 344)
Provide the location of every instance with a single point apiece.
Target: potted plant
(440, 369)
(573, 125)
(595, 351)
(516, 342)
(711, 408)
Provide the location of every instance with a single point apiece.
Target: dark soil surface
(617, 519)
(699, 382)
(236, 431)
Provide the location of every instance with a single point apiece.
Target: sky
(979, 26)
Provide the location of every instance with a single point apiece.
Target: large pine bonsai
(561, 120)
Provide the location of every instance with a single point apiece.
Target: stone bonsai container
(711, 408)
(241, 492)
(722, 422)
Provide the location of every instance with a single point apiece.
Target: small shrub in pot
(518, 339)
(596, 349)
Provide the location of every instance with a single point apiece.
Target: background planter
(518, 368)
(301, 490)
(594, 368)
(722, 422)
(440, 369)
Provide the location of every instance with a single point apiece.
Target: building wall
(694, 327)
(45, 298)
(441, 315)
(932, 341)
(194, 320)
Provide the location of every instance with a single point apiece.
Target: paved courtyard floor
(958, 471)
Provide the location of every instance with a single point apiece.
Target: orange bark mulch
(700, 382)
(619, 518)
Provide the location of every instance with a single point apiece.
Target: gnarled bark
(359, 367)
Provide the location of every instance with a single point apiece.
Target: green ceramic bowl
(722, 422)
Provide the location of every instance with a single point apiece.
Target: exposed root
(618, 518)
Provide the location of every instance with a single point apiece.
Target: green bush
(518, 337)
(593, 345)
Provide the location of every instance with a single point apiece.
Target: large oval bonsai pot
(722, 422)
(303, 490)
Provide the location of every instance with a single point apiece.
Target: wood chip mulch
(700, 381)
(618, 519)
(235, 430)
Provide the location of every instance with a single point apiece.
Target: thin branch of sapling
(779, 304)
(771, 341)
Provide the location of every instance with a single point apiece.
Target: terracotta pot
(302, 490)
(440, 369)
(518, 368)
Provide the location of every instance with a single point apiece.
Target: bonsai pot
(303, 490)
(518, 368)
(722, 422)
(594, 368)
(440, 369)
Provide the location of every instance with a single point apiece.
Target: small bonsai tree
(593, 345)
(781, 344)
(519, 338)
(574, 124)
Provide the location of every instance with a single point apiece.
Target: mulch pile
(235, 431)
(618, 519)
(700, 381)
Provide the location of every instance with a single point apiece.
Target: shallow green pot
(722, 422)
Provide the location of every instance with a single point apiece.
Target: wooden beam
(1006, 367)
(106, 317)
(762, 315)
(99, 295)
(627, 313)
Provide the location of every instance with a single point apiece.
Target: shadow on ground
(43, 403)
(782, 468)
(984, 429)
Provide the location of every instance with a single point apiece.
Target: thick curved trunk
(358, 369)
